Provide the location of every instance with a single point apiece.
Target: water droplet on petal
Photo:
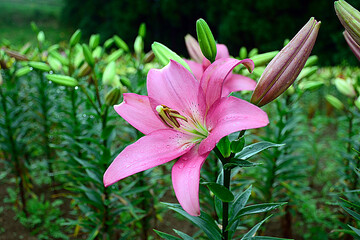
(181, 166)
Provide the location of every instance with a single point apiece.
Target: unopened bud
(307, 72)
(109, 74)
(113, 97)
(97, 53)
(125, 81)
(193, 48)
(310, 86)
(206, 40)
(62, 80)
(88, 56)
(357, 103)
(41, 37)
(335, 102)
(253, 52)
(114, 56)
(264, 58)
(22, 71)
(282, 71)
(349, 18)
(94, 41)
(345, 87)
(312, 60)
(54, 63)
(149, 57)
(138, 45)
(16, 55)
(108, 43)
(142, 30)
(40, 66)
(120, 43)
(84, 70)
(61, 58)
(243, 53)
(75, 38)
(354, 47)
(164, 54)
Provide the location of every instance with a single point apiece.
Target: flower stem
(225, 221)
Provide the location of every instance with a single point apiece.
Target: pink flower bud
(282, 71)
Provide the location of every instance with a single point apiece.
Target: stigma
(169, 116)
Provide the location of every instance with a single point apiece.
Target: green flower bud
(120, 43)
(253, 52)
(138, 45)
(61, 58)
(307, 72)
(108, 43)
(94, 41)
(113, 97)
(114, 56)
(243, 53)
(75, 38)
(109, 74)
(142, 30)
(84, 70)
(126, 82)
(336, 103)
(149, 57)
(312, 60)
(41, 37)
(357, 103)
(16, 55)
(264, 58)
(97, 52)
(310, 86)
(206, 40)
(34, 27)
(164, 54)
(53, 47)
(62, 80)
(88, 56)
(22, 71)
(344, 87)
(54, 63)
(40, 66)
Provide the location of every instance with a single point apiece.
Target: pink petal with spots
(186, 177)
(149, 151)
(229, 115)
(136, 110)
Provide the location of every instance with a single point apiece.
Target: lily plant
(183, 118)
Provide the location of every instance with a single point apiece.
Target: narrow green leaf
(253, 230)
(166, 236)
(220, 191)
(255, 148)
(240, 163)
(204, 221)
(351, 212)
(184, 236)
(357, 231)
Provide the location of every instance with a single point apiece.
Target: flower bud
(344, 87)
(62, 80)
(113, 97)
(354, 47)
(126, 82)
(108, 43)
(84, 70)
(253, 52)
(75, 38)
(58, 56)
(40, 66)
(312, 60)
(114, 56)
(243, 53)
(164, 54)
(357, 103)
(54, 64)
(206, 40)
(109, 74)
(307, 72)
(94, 41)
(22, 71)
(16, 55)
(335, 102)
(349, 18)
(142, 30)
(149, 57)
(120, 43)
(88, 55)
(263, 59)
(310, 86)
(41, 37)
(193, 48)
(282, 71)
(138, 45)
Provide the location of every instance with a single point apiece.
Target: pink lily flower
(233, 83)
(182, 118)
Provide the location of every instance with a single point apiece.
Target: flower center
(169, 116)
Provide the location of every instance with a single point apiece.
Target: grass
(18, 14)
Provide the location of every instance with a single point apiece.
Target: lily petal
(149, 151)
(214, 76)
(136, 110)
(237, 82)
(194, 49)
(196, 68)
(175, 87)
(228, 115)
(186, 177)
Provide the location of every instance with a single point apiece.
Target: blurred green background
(250, 23)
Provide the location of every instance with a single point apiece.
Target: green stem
(89, 99)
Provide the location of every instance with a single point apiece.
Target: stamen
(169, 116)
